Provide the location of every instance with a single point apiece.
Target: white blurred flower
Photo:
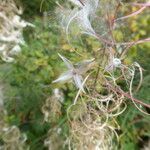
(59, 130)
(16, 49)
(116, 62)
(11, 26)
(2, 47)
(5, 57)
(113, 64)
(74, 73)
(59, 95)
(20, 23)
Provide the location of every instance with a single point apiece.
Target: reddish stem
(127, 95)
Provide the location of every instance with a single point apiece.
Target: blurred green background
(27, 83)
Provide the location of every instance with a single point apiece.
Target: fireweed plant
(100, 98)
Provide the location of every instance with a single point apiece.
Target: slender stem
(81, 2)
(127, 95)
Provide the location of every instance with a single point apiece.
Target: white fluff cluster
(11, 30)
(81, 15)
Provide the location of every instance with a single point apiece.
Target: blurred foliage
(36, 7)
(27, 82)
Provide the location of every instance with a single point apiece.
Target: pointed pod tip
(60, 56)
(54, 81)
(93, 59)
